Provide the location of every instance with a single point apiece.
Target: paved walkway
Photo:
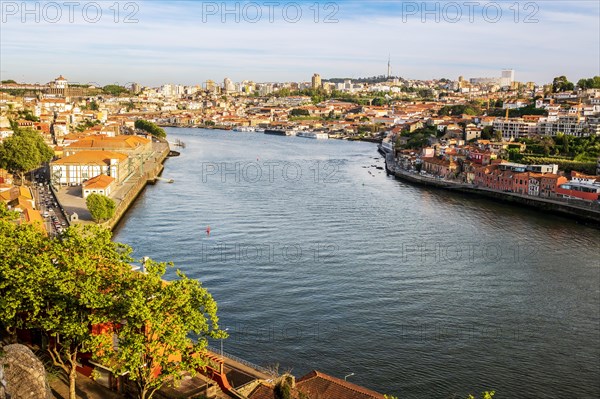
(86, 388)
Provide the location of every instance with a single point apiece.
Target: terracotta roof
(102, 141)
(100, 181)
(262, 392)
(34, 217)
(435, 161)
(319, 385)
(25, 192)
(91, 157)
(16, 193)
(551, 176)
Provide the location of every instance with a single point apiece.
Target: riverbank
(71, 199)
(152, 170)
(582, 211)
(332, 136)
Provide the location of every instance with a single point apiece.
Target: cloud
(187, 42)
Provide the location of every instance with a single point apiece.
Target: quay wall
(588, 213)
(148, 177)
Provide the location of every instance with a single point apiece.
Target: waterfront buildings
(83, 165)
(75, 124)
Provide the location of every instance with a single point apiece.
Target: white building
(570, 125)
(507, 77)
(228, 85)
(514, 128)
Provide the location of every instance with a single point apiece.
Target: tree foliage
(77, 288)
(299, 112)
(484, 395)
(27, 115)
(469, 109)
(283, 388)
(487, 132)
(160, 317)
(25, 150)
(419, 138)
(60, 287)
(150, 127)
(519, 112)
(100, 206)
(81, 292)
(24, 265)
(114, 90)
(560, 84)
(591, 83)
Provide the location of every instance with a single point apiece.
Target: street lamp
(349, 375)
(227, 329)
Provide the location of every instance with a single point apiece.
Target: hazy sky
(189, 42)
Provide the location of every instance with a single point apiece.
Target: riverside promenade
(72, 201)
(582, 211)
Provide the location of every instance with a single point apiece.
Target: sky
(155, 42)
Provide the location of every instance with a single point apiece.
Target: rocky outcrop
(22, 374)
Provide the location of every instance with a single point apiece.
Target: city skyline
(191, 42)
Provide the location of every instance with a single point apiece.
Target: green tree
(560, 83)
(583, 84)
(73, 287)
(283, 388)
(9, 81)
(487, 132)
(23, 151)
(114, 90)
(28, 115)
(379, 101)
(100, 206)
(547, 144)
(79, 294)
(514, 155)
(497, 135)
(150, 127)
(61, 287)
(299, 112)
(160, 318)
(469, 109)
(591, 83)
(486, 395)
(24, 266)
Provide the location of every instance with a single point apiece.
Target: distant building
(228, 85)
(570, 125)
(514, 128)
(507, 77)
(60, 83)
(316, 81)
(210, 85)
(484, 81)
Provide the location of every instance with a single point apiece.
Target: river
(318, 260)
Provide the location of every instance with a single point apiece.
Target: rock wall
(22, 374)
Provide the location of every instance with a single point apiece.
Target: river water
(318, 260)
